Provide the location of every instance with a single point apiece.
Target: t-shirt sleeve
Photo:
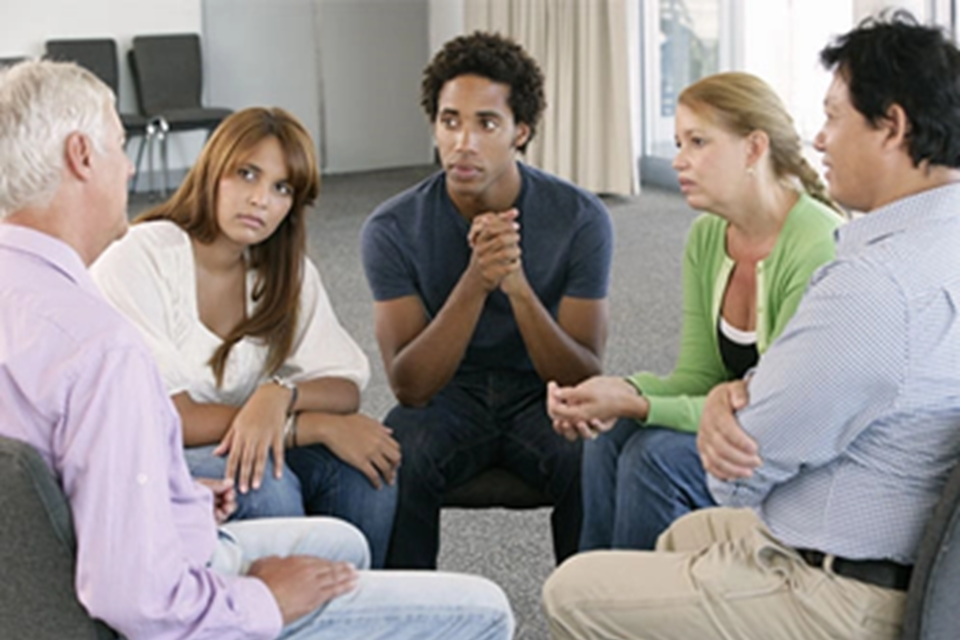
(323, 348)
(142, 278)
(591, 253)
(389, 273)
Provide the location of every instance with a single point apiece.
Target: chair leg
(152, 137)
(144, 138)
(164, 134)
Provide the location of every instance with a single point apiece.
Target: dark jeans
(333, 487)
(636, 481)
(476, 422)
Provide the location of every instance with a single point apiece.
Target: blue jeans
(315, 482)
(393, 604)
(636, 481)
(476, 422)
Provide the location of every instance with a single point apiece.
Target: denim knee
(275, 498)
(658, 448)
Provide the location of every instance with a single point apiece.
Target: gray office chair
(168, 75)
(37, 592)
(9, 61)
(933, 599)
(99, 55)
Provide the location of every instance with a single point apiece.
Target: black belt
(882, 573)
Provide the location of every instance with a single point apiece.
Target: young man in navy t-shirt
(490, 279)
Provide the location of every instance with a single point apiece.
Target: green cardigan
(805, 243)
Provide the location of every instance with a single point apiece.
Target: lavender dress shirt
(77, 383)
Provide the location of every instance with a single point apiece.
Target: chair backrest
(168, 72)
(933, 604)
(37, 553)
(99, 55)
(9, 61)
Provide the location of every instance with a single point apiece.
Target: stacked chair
(99, 55)
(168, 76)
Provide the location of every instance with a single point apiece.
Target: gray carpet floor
(512, 548)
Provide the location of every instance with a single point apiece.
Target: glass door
(683, 41)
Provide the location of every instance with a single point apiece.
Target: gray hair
(41, 104)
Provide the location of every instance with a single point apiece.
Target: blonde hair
(743, 103)
(41, 104)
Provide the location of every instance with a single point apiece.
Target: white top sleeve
(322, 347)
(150, 276)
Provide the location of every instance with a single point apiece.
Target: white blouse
(150, 276)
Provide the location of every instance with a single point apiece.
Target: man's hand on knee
(301, 584)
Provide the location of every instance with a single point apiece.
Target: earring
(751, 171)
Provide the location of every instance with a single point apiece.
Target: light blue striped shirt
(856, 408)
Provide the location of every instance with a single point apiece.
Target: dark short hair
(892, 59)
(491, 56)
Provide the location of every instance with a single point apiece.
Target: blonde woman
(768, 226)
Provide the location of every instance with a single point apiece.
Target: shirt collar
(899, 216)
(48, 249)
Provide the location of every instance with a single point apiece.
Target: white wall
(282, 70)
(372, 55)
(446, 22)
(26, 24)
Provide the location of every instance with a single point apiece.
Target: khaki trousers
(717, 573)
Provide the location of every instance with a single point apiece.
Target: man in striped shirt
(853, 423)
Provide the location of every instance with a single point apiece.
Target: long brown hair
(278, 260)
(743, 103)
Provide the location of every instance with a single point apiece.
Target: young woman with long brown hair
(265, 379)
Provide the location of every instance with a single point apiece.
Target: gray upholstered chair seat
(933, 599)
(37, 593)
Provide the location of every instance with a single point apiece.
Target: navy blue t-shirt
(416, 244)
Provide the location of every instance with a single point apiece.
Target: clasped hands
(591, 407)
(495, 241)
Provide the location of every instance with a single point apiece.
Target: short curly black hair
(491, 56)
(892, 59)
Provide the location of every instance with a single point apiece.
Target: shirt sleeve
(138, 517)
(807, 254)
(591, 253)
(323, 348)
(835, 369)
(676, 400)
(143, 280)
(389, 273)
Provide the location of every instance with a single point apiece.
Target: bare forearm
(316, 427)
(330, 395)
(555, 354)
(428, 362)
(203, 423)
